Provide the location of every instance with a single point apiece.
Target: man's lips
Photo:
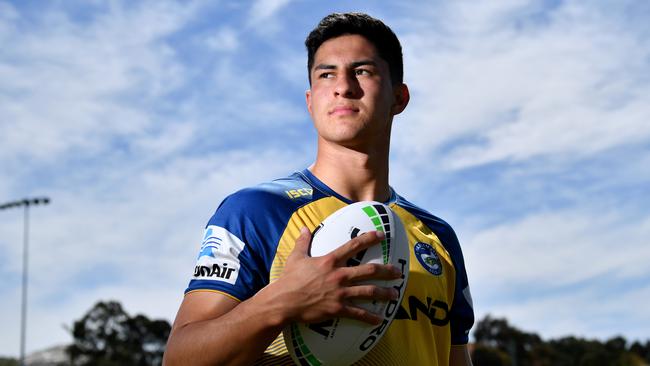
(343, 110)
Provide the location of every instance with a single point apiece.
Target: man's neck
(353, 173)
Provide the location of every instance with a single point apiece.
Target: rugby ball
(343, 341)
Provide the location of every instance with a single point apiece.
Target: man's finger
(361, 242)
(301, 247)
(371, 292)
(371, 271)
(361, 314)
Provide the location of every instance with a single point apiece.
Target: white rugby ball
(343, 341)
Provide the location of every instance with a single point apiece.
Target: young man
(253, 275)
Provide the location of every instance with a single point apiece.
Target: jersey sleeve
(461, 315)
(233, 258)
(241, 238)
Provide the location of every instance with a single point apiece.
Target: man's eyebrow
(324, 67)
(353, 65)
(363, 63)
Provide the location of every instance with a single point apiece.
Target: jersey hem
(217, 291)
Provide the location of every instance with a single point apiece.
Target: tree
(485, 355)
(4, 361)
(498, 334)
(498, 343)
(108, 336)
(641, 350)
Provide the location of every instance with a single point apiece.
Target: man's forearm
(238, 337)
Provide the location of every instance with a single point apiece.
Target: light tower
(23, 307)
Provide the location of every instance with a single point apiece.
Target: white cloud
(224, 40)
(7, 14)
(539, 270)
(248, 100)
(584, 312)
(262, 10)
(69, 88)
(489, 90)
(577, 245)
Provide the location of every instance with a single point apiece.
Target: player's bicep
(203, 305)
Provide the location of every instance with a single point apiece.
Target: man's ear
(401, 97)
(308, 100)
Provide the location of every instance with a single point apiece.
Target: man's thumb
(302, 242)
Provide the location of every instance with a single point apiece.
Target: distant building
(53, 356)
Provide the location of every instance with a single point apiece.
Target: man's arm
(212, 328)
(459, 356)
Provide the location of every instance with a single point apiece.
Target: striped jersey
(248, 239)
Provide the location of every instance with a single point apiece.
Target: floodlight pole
(23, 307)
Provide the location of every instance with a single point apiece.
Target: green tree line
(108, 336)
(497, 343)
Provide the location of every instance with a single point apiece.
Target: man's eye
(325, 75)
(361, 72)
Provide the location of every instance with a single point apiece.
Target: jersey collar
(311, 179)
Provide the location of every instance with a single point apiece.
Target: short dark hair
(374, 30)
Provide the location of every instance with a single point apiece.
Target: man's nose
(347, 85)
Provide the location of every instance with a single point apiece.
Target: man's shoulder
(435, 223)
(279, 197)
(279, 191)
(263, 208)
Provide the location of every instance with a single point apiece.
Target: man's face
(351, 99)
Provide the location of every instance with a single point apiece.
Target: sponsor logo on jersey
(218, 258)
(437, 311)
(210, 243)
(301, 192)
(216, 271)
(428, 258)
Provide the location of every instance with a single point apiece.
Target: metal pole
(23, 309)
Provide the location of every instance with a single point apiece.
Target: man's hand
(313, 289)
(309, 290)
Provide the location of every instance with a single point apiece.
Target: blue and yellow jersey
(248, 240)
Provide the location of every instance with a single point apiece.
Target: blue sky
(528, 130)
